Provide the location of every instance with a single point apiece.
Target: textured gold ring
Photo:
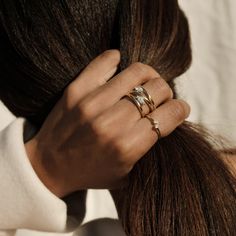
(138, 101)
(140, 97)
(142, 91)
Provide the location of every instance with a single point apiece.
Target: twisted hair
(181, 186)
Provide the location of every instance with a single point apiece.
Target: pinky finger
(169, 116)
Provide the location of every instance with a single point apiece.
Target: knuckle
(161, 84)
(100, 128)
(120, 149)
(70, 91)
(70, 96)
(152, 71)
(178, 110)
(97, 129)
(138, 68)
(85, 110)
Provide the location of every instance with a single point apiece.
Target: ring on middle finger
(140, 90)
(140, 97)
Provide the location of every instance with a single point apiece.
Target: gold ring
(155, 125)
(140, 97)
(142, 91)
(138, 101)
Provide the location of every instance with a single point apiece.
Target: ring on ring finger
(155, 125)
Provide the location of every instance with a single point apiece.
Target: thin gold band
(155, 125)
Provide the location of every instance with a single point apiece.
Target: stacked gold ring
(141, 91)
(140, 97)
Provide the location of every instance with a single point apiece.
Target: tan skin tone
(93, 137)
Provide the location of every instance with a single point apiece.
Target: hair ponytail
(181, 186)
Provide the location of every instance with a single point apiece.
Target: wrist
(44, 168)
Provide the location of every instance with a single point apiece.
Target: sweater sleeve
(25, 202)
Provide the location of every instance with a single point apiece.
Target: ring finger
(142, 136)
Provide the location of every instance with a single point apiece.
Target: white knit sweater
(24, 200)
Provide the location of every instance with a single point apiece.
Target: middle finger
(159, 92)
(111, 92)
(124, 114)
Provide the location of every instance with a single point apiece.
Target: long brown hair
(181, 186)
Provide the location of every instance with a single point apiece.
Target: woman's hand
(92, 138)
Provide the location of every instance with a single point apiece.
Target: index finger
(97, 73)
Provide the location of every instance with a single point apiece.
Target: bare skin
(93, 137)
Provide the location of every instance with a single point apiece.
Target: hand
(93, 137)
